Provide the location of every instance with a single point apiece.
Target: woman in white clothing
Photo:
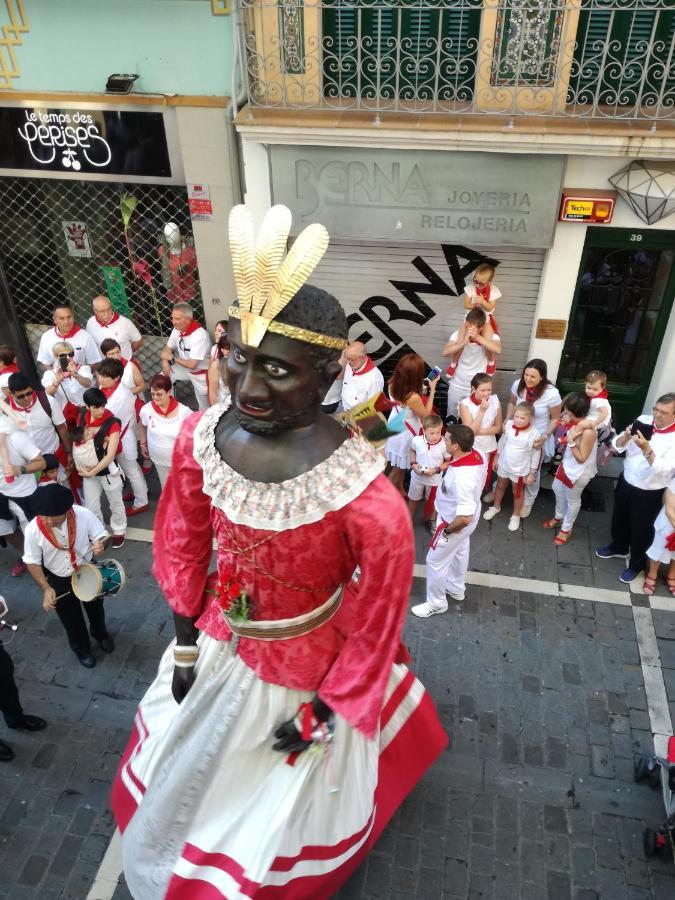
(577, 468)
(216, 381)
(662, 549)
(482, 412)
(67, 381)
(405, 391)
(159, 425)
(535, 387)
(132, 377)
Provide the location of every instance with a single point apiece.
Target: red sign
(199, 202)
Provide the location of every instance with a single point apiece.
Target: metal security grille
(71, 240)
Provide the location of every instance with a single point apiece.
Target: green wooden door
(622, 303)
(623, 58)
(384, 52)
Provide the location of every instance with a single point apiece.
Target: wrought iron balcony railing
(595, 59)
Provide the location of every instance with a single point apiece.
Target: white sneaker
(525, 511)
(514, 523)
(456, 597)
(489, 497)
(424, 610)
(491, 513)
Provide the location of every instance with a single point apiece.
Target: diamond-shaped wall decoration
(648, 188)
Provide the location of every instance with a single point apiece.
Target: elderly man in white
(362, 378)
(106, 323)
(189, 347)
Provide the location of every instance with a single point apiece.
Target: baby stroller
(660, 773)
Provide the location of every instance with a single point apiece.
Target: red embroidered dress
(290, 545)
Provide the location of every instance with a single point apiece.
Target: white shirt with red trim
(429, 456)
(162, 431)
(636, 469)
(86, 351)
(40, 425)
(122, 404)
(461, 487)
(38, 551)
(484, 443)
(22, 450)
(357, 387)
(70, 390)
(517, 456)
(192, 344)
(598, 405)
(120, 329)
(473, 359)
(550, 396)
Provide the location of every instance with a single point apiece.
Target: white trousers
(162, 474)
(447, 564)
(200, 384)
(113, 486)
(568, 501)
(454, 396)
(134, 473)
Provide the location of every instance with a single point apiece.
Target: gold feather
(301, 261)
(270, 249)
(242, 248)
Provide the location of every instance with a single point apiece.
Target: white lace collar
(332, 484)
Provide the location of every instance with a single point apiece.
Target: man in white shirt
(43, 416)
(648, 467)
(189, 347)
(470, 347)
(106, 323)
(60, 538)
(26, 460)
(458, 511)
(65, 329)
(122, 404)
(362, 379)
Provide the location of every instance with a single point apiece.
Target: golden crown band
(253, 331)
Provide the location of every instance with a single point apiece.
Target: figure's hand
(641, 441)
(98, 547)
(539, 443)
(59, 375)
(144, 450)
(288, 734)
(183, 679)
(433, 382)
(166, 354)
(48, 599)
(72, 367)
(484, 404)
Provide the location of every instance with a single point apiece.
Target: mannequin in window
(181, 260)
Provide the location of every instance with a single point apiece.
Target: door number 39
(636, 237)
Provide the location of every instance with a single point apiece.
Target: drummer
(60, 538)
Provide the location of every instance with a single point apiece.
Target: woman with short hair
(159, 424)
(132, 377)
(535, 387)
(67, 381)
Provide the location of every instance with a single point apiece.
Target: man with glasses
(45, 422)
(65, 329)
(189, 346)
(106, 323)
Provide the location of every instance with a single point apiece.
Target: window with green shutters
(409, 52)
(623, 58)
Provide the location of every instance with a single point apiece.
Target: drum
(106, 576)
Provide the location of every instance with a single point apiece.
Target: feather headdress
(264, 283)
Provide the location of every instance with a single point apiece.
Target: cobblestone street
(539, 678)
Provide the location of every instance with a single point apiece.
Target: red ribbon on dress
(115, 318)
(670, 542)
(193, 326)
(173, 404)
(48, 532)
(368, 367)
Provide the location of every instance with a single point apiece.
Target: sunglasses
(71, 354)
(24, 395)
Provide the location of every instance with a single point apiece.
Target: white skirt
(658, 550)
(208, 809)
(397, 449)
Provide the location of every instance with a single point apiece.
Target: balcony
(583, 59)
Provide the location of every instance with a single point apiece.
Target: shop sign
(107, 142)
(485, 198)
(77, 239)
(551, 329)
(199, 202)
(582, 205)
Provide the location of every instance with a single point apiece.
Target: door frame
(625, 238)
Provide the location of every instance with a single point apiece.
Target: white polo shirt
(360, 386)
(636, 469)
(37, 550)
(461, 487)
(22, 450)
(40, 425)
(86, 351)
(120, 329)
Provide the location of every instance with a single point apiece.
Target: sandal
(671, 585)
(649, 585)
(562, 537)
(551, 523)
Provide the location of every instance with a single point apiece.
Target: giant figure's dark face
(275, 387)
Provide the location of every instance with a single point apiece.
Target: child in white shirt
(600, 414)
(517, 461)
(481, 294)
(429, 459)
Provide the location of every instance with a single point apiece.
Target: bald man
(106, 323)
(362, 378)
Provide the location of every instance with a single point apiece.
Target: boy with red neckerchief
(429, 459)
(458, 511)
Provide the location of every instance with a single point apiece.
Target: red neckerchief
(471, 459)
(472, 398)
(669, 430)
(369, 365)
(602, 395)
(10, 369)
(193, 326)
(173, 404)
(483, 290)
(114, 319)
(109, 391)
(518, 430)
(23, 409)
(45, 479)
(125, 362)
(73, 331)
(435, 443)
(48, 532)
(529, 394)
(96, 423)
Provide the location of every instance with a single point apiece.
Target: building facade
(429, 135)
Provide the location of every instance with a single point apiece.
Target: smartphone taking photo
(63, 361)
(646, 429)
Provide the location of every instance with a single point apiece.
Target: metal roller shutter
(421, 304)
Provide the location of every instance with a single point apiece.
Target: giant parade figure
(284, 727)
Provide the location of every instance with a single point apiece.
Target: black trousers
(69, 611)
(9, 694)
(633, 518)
